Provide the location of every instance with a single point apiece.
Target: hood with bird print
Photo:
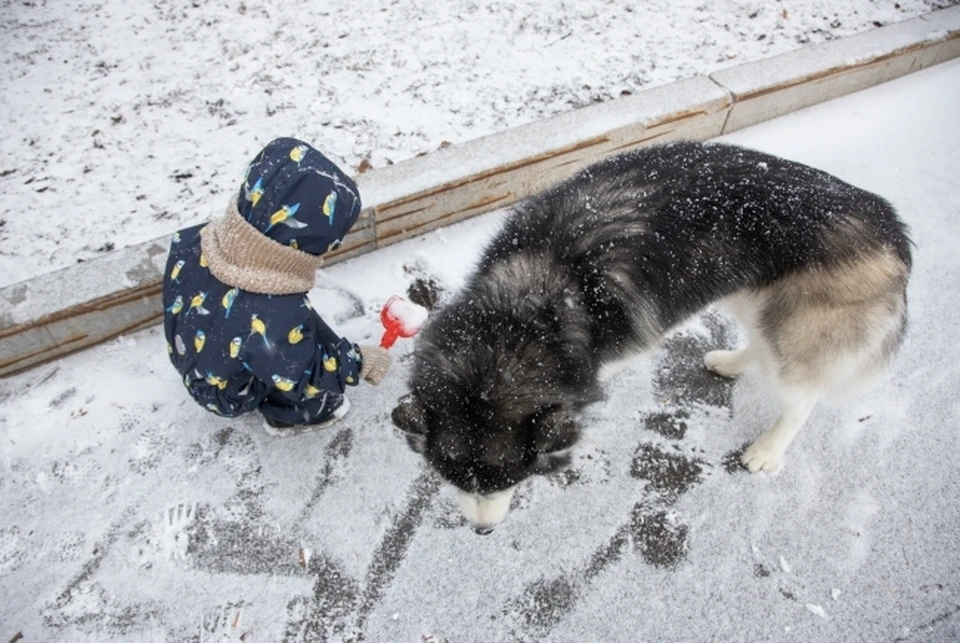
(293, 206)
(240, 329)
(296, 196)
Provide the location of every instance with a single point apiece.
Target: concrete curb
(79, 306)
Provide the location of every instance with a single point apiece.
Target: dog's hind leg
(766, 453)
(744, 307)
(727, 363)
(787, 358)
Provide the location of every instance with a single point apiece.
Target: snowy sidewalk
(130, 514)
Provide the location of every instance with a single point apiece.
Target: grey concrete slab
(781, 84)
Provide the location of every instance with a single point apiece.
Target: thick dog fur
(598, 268)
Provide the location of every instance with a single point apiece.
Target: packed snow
(127, 120)
(131, 514)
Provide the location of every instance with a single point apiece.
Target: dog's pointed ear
(555, 431)
(410, 417)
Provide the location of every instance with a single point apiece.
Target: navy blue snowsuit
(238, 351)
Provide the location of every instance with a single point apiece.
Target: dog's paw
(726, 363)
(762, 456)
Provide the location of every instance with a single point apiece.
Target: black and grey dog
(597, 269)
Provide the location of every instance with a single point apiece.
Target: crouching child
(240, 328)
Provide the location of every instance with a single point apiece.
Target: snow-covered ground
(130, 514)
(126, 120)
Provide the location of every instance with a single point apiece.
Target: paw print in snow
(298, 619)
(77, 469)
(131, 419)
(149, 450)
(232, 449)
(70, 546)
(222, 624)
(11, 549)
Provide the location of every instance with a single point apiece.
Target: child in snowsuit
(240, 329)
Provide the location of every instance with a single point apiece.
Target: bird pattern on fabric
(295, 336)
(176, 306)
(196, 303)
(253, 194)
(177, 267)
(227, 301)
(285, 216)
(257, 351)
(234, 349)
(330, 206)
(298, 153)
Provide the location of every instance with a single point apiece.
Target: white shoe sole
(302, 429)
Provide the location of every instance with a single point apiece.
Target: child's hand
(376, 363)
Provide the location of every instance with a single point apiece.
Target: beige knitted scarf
(240, 255)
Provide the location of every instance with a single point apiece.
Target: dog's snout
(484, 512)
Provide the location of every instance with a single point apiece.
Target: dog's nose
(483, 531)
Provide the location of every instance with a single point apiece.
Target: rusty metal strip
(103, 303)
(445, 219)
(473, 178)
(72, 345)
(839, 70)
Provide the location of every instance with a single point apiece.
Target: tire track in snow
(337, 597)
(390, 553)
(653, 530)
